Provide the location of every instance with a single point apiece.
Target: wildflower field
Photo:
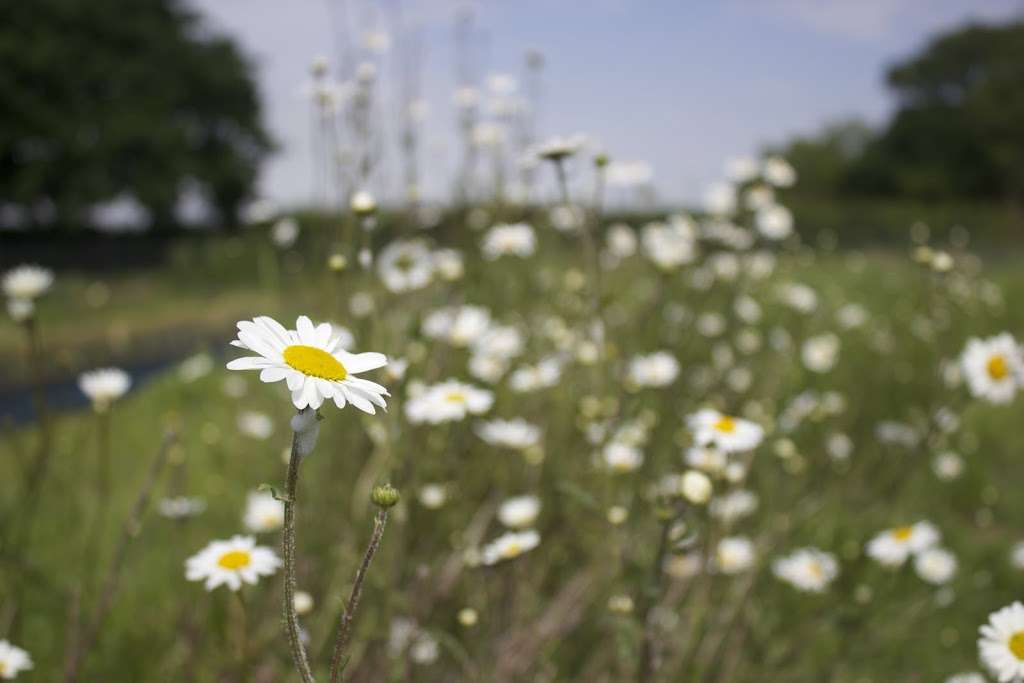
(739, 459)
(474, 402)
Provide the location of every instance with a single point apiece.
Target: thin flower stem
(242, 626)
(82, 646)
(347, 617)
(647, 664)
(291, 618)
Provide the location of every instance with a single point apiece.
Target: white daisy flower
(948, 466)
(509, 546)
(501, 341)
(668, 246)
(516, 239)
(231, 563)
(657, 369)
(778, 172)
(13, 660)
(433, 496)
(405, 266)
(734, 554)
(892, 547)
(104, 386)
(448, 401)
(519, 512)
(935, 565)
(534, 377)
(1001, 645)
(993, 367)
(558, 148)
(728, 434)
(720, 199)
(807, 569)
(696, 487)
(459, 326)
(448, 264)
(27, 282)
(263, 512)
(734, 505)
(775, 222)
(517, 434)
(820, 353)
(621, 241)
(311, 362)
(622, 458)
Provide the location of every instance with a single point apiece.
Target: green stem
(291, 618)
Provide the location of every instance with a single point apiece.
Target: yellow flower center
(455, 397)
(725, 424)
(815, 569)
(1016, 645)
(235, 559)
(512, 550)
(997, 368)
(315, 362)
(903, 533)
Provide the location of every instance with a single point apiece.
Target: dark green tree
(109, 98)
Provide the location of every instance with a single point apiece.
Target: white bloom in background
(181, 507)
(466, 97)
(838, 446)
(668, 246)
(311, 361)
(533, 377)
(406, 265)
(104, 386)
(448, 401)
(362, 202)
(519, 512)
(425, 649)
(509, 546)
(433, 496)
(948, 466)
(231, 563)
(284, 233)
(621, 240)
(461, 326)
(735, 554)
(255, 425)
(706, 458)
(195, 367)
(807, 569)
(558, 148)
(516, 239)
(500, 341)
(448, 263)
(622, 458)
(377, 42)
(20, 310)
(303, 603)
(993, 367)
(798, 297)
(486, 367)
(27, 282)
(720, 199)
(566, 218)
(892, 547)
(775, 222)
(935, 565)
(13, 660)
(966, 677)
(734, 505)
(729, 434)
(820, 353)
(657, 369)
(1001, 645)
(897, 434)
(747, 309)
(517, 434)
(778, 172)
(759, 197)
(263, 512)
(695, 487)
(742, 169)
(851, 316)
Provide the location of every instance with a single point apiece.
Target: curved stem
(291, 618)
(347, 617)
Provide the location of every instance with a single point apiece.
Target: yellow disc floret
(234, 559)
(315, 362)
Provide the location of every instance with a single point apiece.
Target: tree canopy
(113, 98)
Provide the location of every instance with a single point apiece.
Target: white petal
(361, 362)
(307, 333)
(248, 363)
(273, 374)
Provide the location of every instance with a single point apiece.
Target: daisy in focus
(807, 569)
(13, 660)
(1001, 645)
(312, 363)
(892, 547)
(993, 367)
(728, 434)
(231, 563)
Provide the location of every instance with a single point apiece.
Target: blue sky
(681, 84)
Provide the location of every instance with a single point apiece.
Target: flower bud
(384, 496)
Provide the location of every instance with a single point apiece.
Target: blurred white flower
(13, 660)
(517, 434)
(263, 512)
(406, 265)
(180, 507)
(948, 466)
(720, 199)
(807, 569)
(734, 505)
(668, 247)
(533, 377)
(284, 233)
(621, 458)
(778, 172)
(775, 222)
(820, 353)
(935, 565)
(104, 386)
(461, 326)
(695, 486)
(516, 239)
(27, 282)
(734, 554)
(509, 546)
(892, 547)
(448, 401)
(658, 369)
(231, 563)
(729, 434)
(433, 496)
(993, 367)
(519, 512)
(255, 425)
